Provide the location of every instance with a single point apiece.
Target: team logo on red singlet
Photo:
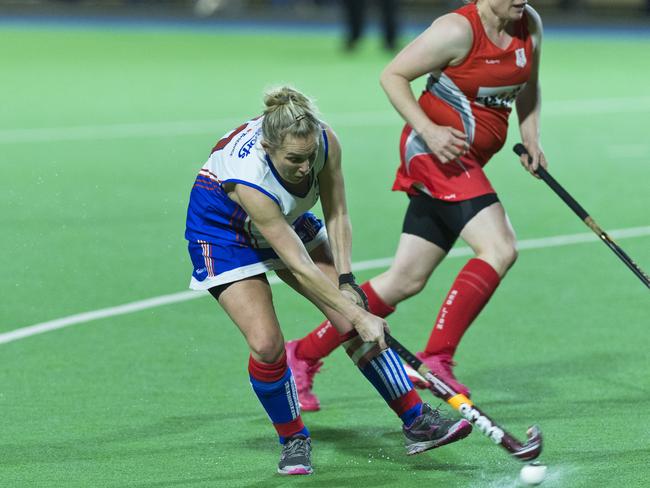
(520, 55)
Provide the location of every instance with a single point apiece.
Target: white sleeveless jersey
(240, 158)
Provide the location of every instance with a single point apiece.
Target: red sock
(377, 306)
(267, 372)
(405, 405)
(325, 338)
(471, 290)
(318, 343)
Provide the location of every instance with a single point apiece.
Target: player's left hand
(534, 160)
(372, 329)
(352, 291)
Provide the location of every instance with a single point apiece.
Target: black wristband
(346, 278)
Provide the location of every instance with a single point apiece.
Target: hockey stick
(520, 150)
(527, 451)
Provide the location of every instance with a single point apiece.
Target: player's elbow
(386, 78)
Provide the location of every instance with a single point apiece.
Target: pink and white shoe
(440, 365)
(303, 374)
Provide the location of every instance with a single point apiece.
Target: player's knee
(501, 256)
(398, 284)
(510, 254)
(268, 350)
(411, 285)
(506, 255)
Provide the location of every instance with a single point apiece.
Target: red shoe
(440, 365)
(303, 374)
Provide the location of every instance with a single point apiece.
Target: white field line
(351, 119)
(81, 318)
(629, 151)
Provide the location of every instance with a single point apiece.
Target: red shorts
(453, 181)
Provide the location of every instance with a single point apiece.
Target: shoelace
(295, 447)
(447, 365)
(449, 362)
(433, 415)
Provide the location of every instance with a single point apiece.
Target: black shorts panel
(217, 290)
(439, 221)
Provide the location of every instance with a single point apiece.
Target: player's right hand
(446, 143)
(533, 159)
(371, 329)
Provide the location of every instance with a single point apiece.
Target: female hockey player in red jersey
(479, 59)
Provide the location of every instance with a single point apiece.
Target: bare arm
(267, 217)
(529, 100)
(335, 210)
(337, 221)
(446, 42)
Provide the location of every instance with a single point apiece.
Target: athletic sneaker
(431, 430)
(303, 374)
(440, 365)
(296, 456)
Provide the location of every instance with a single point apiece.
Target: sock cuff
(267, 372)
(348, 335)
(481, 272)
(406, 402)
(377, 305)
(289, 429)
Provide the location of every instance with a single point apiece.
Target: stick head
(533, 446)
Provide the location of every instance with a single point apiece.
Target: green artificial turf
(102, 132)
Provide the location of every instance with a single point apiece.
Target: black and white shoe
(431, 429)
(296, 456)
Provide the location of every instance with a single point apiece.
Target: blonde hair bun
(288, 112)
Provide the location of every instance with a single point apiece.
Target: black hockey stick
(520, 150)
(527, 451)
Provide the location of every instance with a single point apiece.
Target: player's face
(294, 160)
(508, 9)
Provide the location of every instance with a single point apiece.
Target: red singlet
(475, 97)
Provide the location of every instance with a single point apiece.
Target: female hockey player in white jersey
(248, 214)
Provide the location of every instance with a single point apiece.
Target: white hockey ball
(532, 474)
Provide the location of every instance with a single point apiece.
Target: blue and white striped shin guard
(382, 368)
